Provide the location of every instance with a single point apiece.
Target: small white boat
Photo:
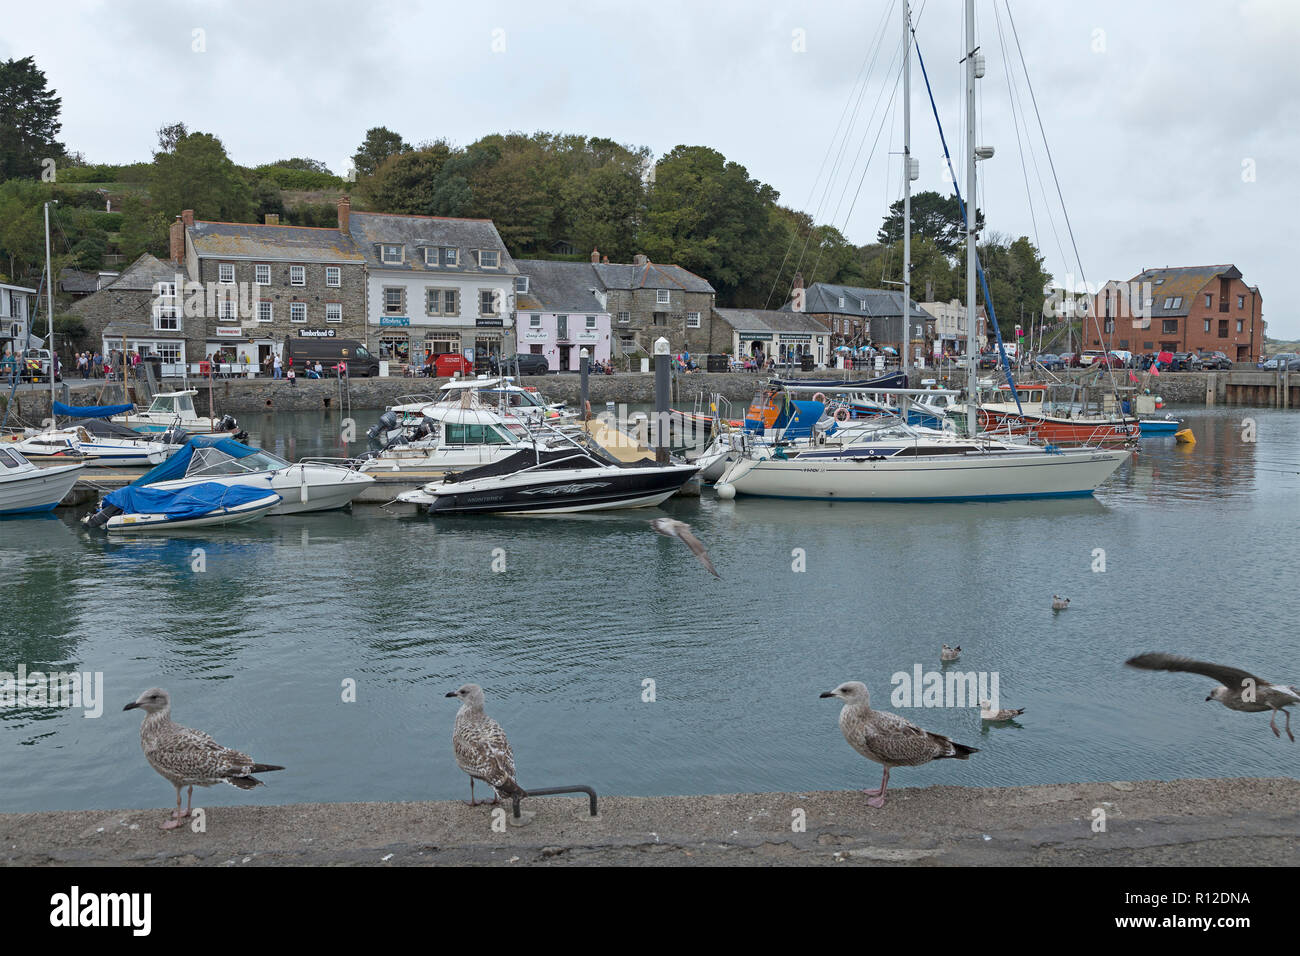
(104, 452)
(138, 508)
(27, 489)
(499, 394)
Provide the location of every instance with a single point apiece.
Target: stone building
(128, 310)
(858, 316)
(772, 333)
(646, 300)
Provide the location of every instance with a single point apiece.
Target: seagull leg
(472, 801)
(1288, 724)
(877, 798)
(175, 819)
(1272, 722)
(189, 802)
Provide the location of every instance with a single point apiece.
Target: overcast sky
(1168, 121)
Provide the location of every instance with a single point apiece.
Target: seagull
(672, 528)
(481, 748)
(189, 758)
(1238, 689)
(1059, 603)
(997, 716)
(887, 738)
(947, 653)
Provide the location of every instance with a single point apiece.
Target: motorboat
(171, 409)
(138, 508)
(502, 395)
(112, 450)
(557, 480)
(1027, 409)
(444, 437)
(27, 489)
(305, 486)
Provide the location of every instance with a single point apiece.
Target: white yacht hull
(40, 489)
(302, 488)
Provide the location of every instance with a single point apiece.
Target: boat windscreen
(571, 457)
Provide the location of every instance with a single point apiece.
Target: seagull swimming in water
(671, 528)
(887, 738)
(481, 748)
(1059, 603)
(1237, 690)
(189, 758)
(998, 716)
(947, 653)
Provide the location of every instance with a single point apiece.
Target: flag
(1132, 378)
(1165, 357)
(1155, 368)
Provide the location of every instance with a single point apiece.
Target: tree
(304, 164)
(379, 144)
(197, 174)
(407, 182)
(143, 230)
(29, 120)
(170, 135)
(22, 229)
(933, 216)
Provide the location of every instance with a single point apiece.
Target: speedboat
(109, 451)
(304, 486)
(171, 409)
(138, 508)
(553, 480)
(26, 489)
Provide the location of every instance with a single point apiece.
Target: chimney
(345, 215)
(639, 260)
(178, 240)
(272, 219)
(187, 217)
(595, 256)
(798, 280)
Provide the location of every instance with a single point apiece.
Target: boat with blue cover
(144, 508)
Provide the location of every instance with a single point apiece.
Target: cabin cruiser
(171, 409)
(27, 489)
(500, 394)
(304, 486)
(442, 437)
(1027, 409)
(554, 480)
(115, 447)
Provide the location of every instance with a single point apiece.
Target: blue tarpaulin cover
(174, 467)
(184, 503)
(91, 411)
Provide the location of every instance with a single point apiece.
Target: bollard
(553, 791)
(661, 438)
(584, 361)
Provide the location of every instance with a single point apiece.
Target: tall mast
(907, 188)
(49, 313)
(972, 372)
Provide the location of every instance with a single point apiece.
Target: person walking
(278, 367)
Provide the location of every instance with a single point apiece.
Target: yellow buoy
(1185, 437)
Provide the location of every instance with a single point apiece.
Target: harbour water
(256, 632)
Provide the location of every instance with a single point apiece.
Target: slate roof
(77, 282)
(247, 240)
(1184, 281)
(370, 230)
(822, 297)
(771, 320)
(143, 274)
(649, 276)
(558, 287)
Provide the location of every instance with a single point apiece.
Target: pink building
(559, 311)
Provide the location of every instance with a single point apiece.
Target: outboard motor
(425, 429)
(387, 422)
(230, 426)
(100, 517)
(175, 435)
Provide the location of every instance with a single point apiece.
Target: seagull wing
(696, 546)
(1230, 677)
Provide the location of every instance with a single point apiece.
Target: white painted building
(17, 306)
(950, 327)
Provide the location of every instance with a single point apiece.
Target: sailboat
(927, 467)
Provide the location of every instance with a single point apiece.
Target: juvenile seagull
(1238, 689)
(672, 528)
(887, 738)
(1059, 603)
(189, 758)
(998, 716)
(947, 653)
(482, 750)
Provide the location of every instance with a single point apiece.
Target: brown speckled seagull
(189, 758)
(482, 750)
(887, 738)
(1237, 690)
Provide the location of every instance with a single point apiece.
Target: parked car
(1280, 359)
(1215, 360)
(529, 364)
(1071, 359)
(1110, 360)
(1184, 362)
(36, 366)
(1053, 363)
(989, 360)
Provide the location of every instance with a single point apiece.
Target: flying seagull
(1059, 603)
(672, 528)
(481, 748)
(887, 738)
(189, 758)
(1237, 690)
(947, 653)
(998, 716)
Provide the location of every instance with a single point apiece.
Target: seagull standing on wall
(481, 748)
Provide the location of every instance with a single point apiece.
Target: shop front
(489, 339)
(393, 343)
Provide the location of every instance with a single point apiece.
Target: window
(1209, 300)
(1223, 328)
(394, 300)
(297, 311)
(1241, 326)
(431, 255)
(591, 321)
(841, 302)
(1241, 304)
(1169, 326)
(391, 254)
(1207, 325)
(264, 312)
(169, 352)
(862, 304)
(521, 283)
(333, 311)
(1148, 345)
(262, 275)
(226, 311)
(534, 321)
(450, 302)
(660, 319)
(226, 272)
(624, 318)
(166, 313)
(487, 302)
(1109, 325)
(488, 258)
(450, 257)
(333, 277)
(1173, 302)
(297, 275)
(662, 297)
(692, 320)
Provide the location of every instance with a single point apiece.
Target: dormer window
(521, 284)
(862, 304)
(391, 254)
(431, 255)
(450, 257)
(489, 259)
(841, 302)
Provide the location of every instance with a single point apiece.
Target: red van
(447, 365)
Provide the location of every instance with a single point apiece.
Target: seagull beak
(131, 706)
(1211, 697)
(829, 693)
(452, 694)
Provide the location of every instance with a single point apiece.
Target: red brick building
(1184, 309)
